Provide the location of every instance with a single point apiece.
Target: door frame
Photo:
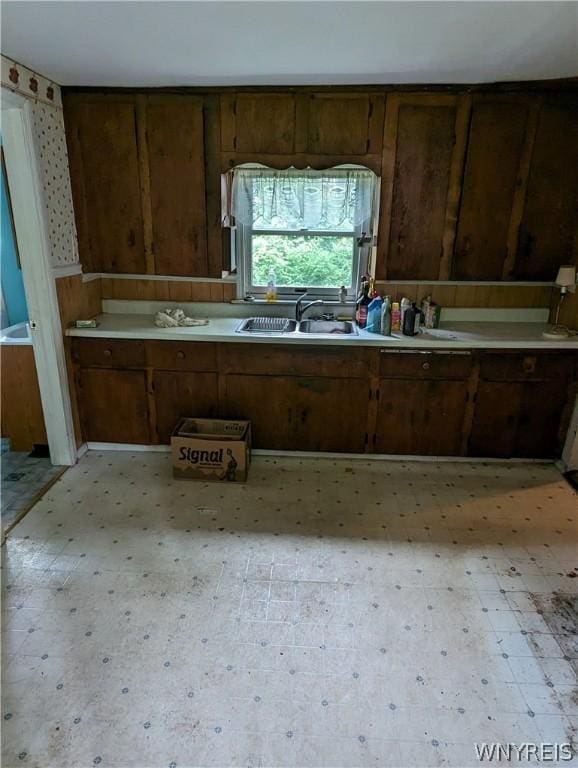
(30, 222)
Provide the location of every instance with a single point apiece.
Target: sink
(267, 325)
(328, 327)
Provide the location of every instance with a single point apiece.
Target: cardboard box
(211, 449)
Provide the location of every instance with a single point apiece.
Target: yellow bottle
(395, 316)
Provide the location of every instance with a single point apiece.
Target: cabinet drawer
(108, 353)
(526, 367)
(181, 355)
(425, 365)
(266, 359)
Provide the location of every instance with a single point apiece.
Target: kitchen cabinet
(342, 124)
(113, 405)
(174, 129)
(422, 402)
(104, 169)
(263, 123)
(548, 230)
(423, 149)
(521, 405)
(182, 393)
(420, 417)
(298, 413)
(499, 132)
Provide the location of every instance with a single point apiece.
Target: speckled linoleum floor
(327, 613)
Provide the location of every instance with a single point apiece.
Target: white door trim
(31, 227)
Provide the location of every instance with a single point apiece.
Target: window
(310, 228)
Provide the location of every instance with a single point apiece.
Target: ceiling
(83, 42)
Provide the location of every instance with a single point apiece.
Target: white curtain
(338, 199)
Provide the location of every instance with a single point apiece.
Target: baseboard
(328, 455)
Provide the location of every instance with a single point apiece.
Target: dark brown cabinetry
(343, 124)
(113, 405)
(104, 164)
(336, 399)
(260, 123)
(499, 133)
(174, 129)
(522, 405)
(548, 230)
(422, 403)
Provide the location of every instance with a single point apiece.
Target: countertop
(455, 335)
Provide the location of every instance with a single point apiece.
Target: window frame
(241, 255)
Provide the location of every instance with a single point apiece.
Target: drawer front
(268, 359)
(108, 353)
(527, 367)
(181, 355)
(425, 365)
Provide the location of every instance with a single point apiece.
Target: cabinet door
(268, 402)
(105, 178)
(113, 405)
(178, 394)
(420, 417)
(497, 137)
(547, 234)
(495, 420)
(344, 124)
(424, 139)
(331, 414)
(260, 123)
(538, 434)
(177, 185)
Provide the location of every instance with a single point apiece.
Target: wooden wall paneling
(177, 181)
(72, 124)
(419, 145)
(463, 112)
(343, 124)
(106, 131)
(218, 240)
(548, 233)
(521, 186)
(21, 408)
(497, 137)
(227, 121)
(265, 123)
(145, 182)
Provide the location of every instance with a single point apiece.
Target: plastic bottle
(395, 316)
(374, 314)
(404, 305)
(362, 304)
(271, 292)
(385, 327)
(411, 320)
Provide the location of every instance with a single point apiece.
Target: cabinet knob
(107, 352)
(426, 366)
(181, 355)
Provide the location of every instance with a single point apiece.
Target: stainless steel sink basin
(260, 325)
(328, 327)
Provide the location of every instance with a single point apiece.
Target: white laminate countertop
(455, 335)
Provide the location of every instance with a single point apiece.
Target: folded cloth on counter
(175, 318)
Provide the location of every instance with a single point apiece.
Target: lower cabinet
(300, 413)
(518, 419)
(113, 405)
(420, 417)
(183, 393)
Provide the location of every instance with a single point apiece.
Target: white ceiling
(83, 42)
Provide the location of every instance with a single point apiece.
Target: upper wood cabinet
(548, 235)
(104, 165)
(348, 124)
(423, 150)
(496, 160)
(263, 123)
(174, 130)
(342, 124)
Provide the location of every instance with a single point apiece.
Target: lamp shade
(566, 276)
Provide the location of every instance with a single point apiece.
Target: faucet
(300, 310)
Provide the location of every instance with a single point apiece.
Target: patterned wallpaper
(48, 126)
